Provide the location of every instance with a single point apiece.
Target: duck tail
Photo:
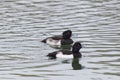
(44, 41)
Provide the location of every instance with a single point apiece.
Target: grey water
(24, 23)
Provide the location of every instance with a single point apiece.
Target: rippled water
(24, 23)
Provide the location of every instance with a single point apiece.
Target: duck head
(67, 34)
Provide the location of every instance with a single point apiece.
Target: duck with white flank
(64, 39)
(66, 53)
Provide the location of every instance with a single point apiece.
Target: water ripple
(23, 24)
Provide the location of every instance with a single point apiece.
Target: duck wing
(57, 37)
(66, 52)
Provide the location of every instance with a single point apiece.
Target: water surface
(24, 23)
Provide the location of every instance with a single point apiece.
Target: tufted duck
(64, 39)
(66, 53)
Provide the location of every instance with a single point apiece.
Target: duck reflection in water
(75, 64)
(63, 47)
